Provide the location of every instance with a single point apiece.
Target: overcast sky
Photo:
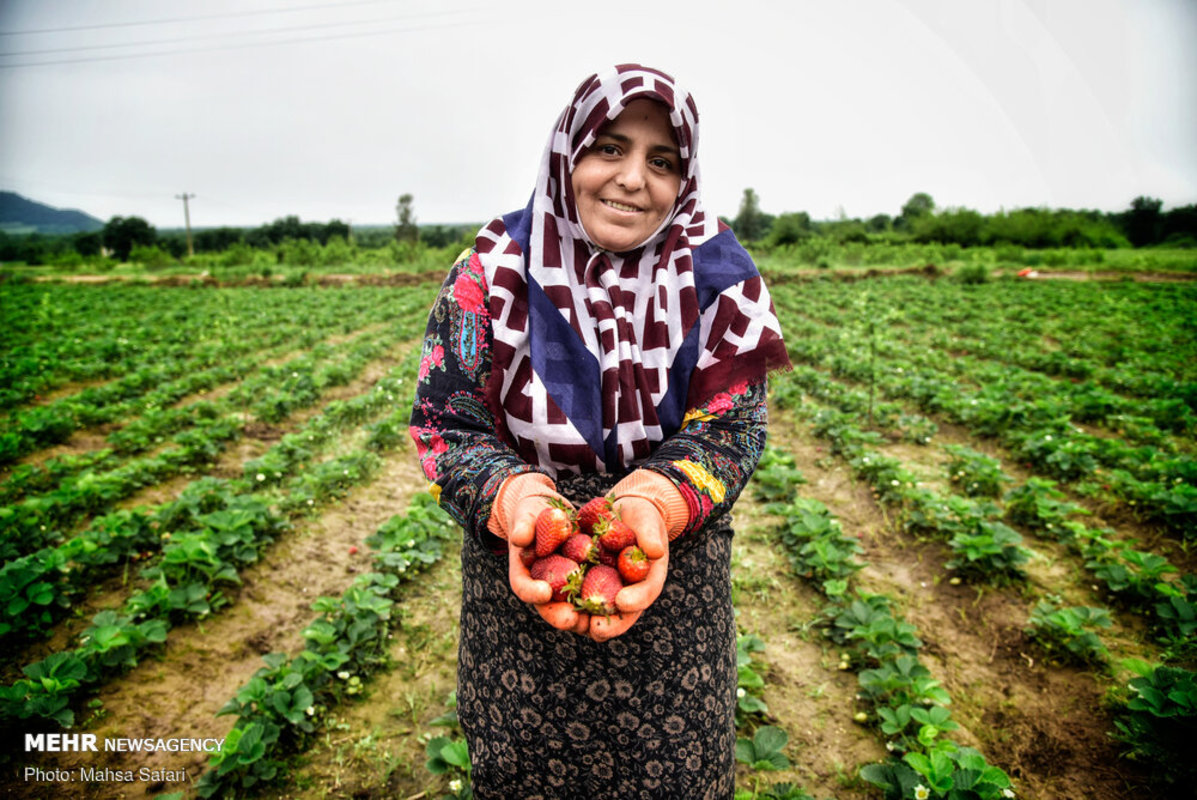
(264, 108)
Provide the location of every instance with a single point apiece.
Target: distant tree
(1144, 223)
(1180, 226)
(406, 229)
(749, 224)
(919, 205)
(879, 223)
(961, 226)
(173, 244)
(216, 240)
(335, 227)
(444, 235)
(790, 229)
(122, 234)
(88, 244)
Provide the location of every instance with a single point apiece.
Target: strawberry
(580, 548)
(607, 557)
(563, 575)
(633, 564)
(615, 535)
(553, 526)
(599, 588)
(597, 509)
(527, 556)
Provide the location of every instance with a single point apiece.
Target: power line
(197, 18)
(244, 45)
(208, 37)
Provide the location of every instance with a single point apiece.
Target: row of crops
(157, 443)
(174, 386)
(1086, 392)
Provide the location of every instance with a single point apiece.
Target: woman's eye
(662, 164)
(608, 149)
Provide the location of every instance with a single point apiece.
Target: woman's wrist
(513, 490)
(662, 493)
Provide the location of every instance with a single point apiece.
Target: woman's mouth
(622, 207)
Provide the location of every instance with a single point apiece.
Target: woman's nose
(631, 176)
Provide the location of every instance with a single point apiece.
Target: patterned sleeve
(715, 453)
(454, 430)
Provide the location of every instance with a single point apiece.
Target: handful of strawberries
(586, 557)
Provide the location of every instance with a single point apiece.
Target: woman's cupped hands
(638, 514)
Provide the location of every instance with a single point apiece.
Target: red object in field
(353, 550)
(1027, 272)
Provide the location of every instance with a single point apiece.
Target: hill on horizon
(22, 215)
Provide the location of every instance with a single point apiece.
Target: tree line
(132, 238)
(1143, 224)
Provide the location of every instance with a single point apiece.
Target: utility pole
(187, 217)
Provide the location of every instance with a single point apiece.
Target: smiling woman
(610, 340)
(628, 181)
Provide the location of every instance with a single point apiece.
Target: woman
(611, 337)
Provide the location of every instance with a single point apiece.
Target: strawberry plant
(329, 480)
(449, 755)
(1134, 575)
(868, 626)
(765, 750)
(990, 552)
(750, 707)
(912, 727)
(46, 690)
(947, 772)
(915, 428)
(1040, 506)
(1176, 624)
(776, 476)
(1067, 631)
(902, 681)
(1158, 722)
(974, 473)
(815, 543)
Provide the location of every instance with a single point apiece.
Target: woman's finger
(603, 629)
(563, 616)
(643, 517)
(522, 583)
(642, 594)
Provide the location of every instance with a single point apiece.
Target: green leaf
(457, 753)
(770, 739)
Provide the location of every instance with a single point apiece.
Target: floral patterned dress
(547, 713)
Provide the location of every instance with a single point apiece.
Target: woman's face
(627, 182)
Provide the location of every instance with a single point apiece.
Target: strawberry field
(964, 569)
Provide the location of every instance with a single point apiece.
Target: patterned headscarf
(598, 355)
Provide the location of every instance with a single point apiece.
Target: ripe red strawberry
(597, 509)
(580, 548)
(616, 535)
(599, 588)
(607, 557)
(528, 556)
(633, 564)
(564, 575)
(553, 526)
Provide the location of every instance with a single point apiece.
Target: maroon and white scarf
(598, 355)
